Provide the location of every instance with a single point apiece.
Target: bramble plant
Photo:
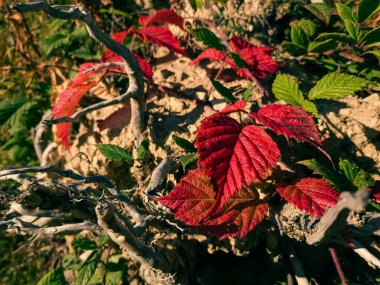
(246, 172)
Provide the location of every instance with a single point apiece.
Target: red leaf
(120, 38)
(116, 120)
(210, 54)
(291, 121)
(311, 195)
(164, 16)
(160, 36)
(238, 44)
(258, 62)
(235, 156)
(145, 66)
(192, 198)
(235, 107)
(240, 215)
(67, 102)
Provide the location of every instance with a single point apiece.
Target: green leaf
(208, 38)
(87, 270)
(237, 59)
(324, 46)
(327, 173)
(143, 150)
(321, 10)
(196, 4)
(114, 273)
(54, 277)
(9, 106)
(71, 262)
(371, 37)
(367, 8)
(188, 159)
(338, 37)
(185, 144)
(286, 89)
(248, 92)
(345, 13)
(103, 239)
(83, 244)
(374, 52)
(298, 36)
(358, 177)
(336, 85)
(310, 107)
(308, 26)
(224, 91)
(293, 49)
(114, 152)
(354, 31)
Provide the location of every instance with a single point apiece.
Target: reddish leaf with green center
(234, 156)
(291, 121)
(311, 195)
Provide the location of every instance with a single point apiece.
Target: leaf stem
(338, 266)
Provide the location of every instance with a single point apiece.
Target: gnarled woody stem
(136, 85)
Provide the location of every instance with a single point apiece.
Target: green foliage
(237, 59)
(336, 85)
(372, 37)
(88, 269)
(358, 177)
(299, 36)
(367, 8)
(114, 152)
(54, 277)
(188, 159)
(185, 144)
(196, 4)
(224, 91)
(321, 10)
(207, 37)
(143, 150)
(248, 92)
(83, 244)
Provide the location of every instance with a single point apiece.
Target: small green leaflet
(114, 273)
(103, 239)
(224, 91)
(287, 90)
(143, 150)
(310, 107)
(337, 85)
(309, 27)
(354, 31)
(298, 36)
(188, 159)
(185, 144)
(83, 244)
(324, 46)
(88, 269)
(54, 277)
(367, 8)
(372, 37)
(293, 48)
(345, 13)
(114, 152)
(237, 59)
(321, 10)
(327, 173)
(358, 177)
(338, 37)
(248, 92)
(196, 4)
(207, 37)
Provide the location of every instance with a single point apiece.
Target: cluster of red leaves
(84, 80)
(219, 196)
(258, 62)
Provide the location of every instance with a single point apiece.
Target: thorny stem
(338, 266)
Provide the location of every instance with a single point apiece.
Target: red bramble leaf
(210, 54)
(291, 121)
(164, 16)
(240, 214)
(311, 195)
(235, 107)
(192, 198)
(160, 36)
(234, 156)
(238, 44)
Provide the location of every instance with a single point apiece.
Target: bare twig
(29, 228)
(335, 218)
(159, 174)
(39, 136)
(372, 260)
